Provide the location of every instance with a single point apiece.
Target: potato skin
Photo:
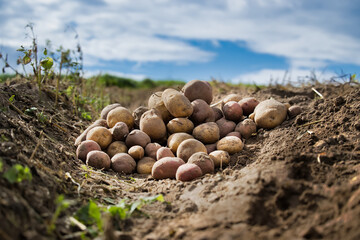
(202, 112)
(230, 144)
(151, 149)
(101, 135)
(269, 114)
(210, 147)
(137, 137)
(82, 137)
(175, 139)
(220, 158)
(197, 89)
(119, 131)
(137, 113)
(136, 152)
(203, 160)
(107, 109)
(207, 133)
(233, 111)
(248, 105)
(188, 172)
(176, 103)
(246, 128)
(225, 126)
(189, 147)
(123, 163)
(235, 134)
(85, 147)
(293, 111)
(164, 152)
(144, 165)
(218, 113)
(155, 101)
(166, 167)
(152, 124)
(120, 114)
(180, 125)
(98, 159)
(231, 97)
(116, 147)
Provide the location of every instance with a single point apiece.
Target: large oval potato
(82, 137)
(203, 160)
(123, 163)
(85, 147)
(180, 125)
(233, 111)
(189, 147)
(248, 105)
(98, 159)
(107, 109)
(202, 112)
(120, 114)
(176, 103)
(155, 101)
(269, 114)
(197, 89)
(152, 124)
(119, 131)
(225, 126)
(145, 165)
(175, 139)
(230, 144)
(137, 137)
(207, 133)
(246, 128)
(101, 135)
(188, 172)
(220, 158)
(166, 167)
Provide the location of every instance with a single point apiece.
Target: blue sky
(230, 40)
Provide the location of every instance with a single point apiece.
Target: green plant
(1, 165)
(42, 117)
(18, 173)
(61, 205)
(12, 99)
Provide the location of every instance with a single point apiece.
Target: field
(300, 180)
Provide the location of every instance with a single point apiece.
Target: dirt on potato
(300, 180)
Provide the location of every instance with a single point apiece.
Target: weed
(42, 117)
(1, 165)
(12, 99)
(18, 173)
(61, 205)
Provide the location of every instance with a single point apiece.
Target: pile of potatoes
(179, 134)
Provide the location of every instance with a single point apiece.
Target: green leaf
(45, 52)
(11, 99)
(47, 63)
(121, 210)
(26, 60)
(90, 214)
(18, 173)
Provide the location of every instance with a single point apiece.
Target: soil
(300, 180)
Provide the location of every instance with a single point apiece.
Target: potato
(202, 112)
(189, 147)
(269, 114)
(210, 147)
(166, 167)
(176, 103)
(175, 139)
(137, 137)
(120, 114)
(98, 159)
(236, 134)
(151, 149)
(152, 124)
(164, 152)
(101, 135)
(97, 123)
(116, 147)
(207, 132)
(203, 160)
(119, 131)
(180, 125)
(188, 172)
(231, 97)
(220, 158)
(123, 163)
(144, 165)
(230, 144)
(197, 89)
(233, 111)
(225, 126)
(107, 109)
(137, 113)
(136, 152)
(218, 113)
(85, 147)
(155, 101)
(248, 105)
(293, 111)
(246, 128)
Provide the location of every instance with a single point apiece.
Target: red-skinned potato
(248, 105)
(107, 109)
(144, 165)
(246, 128)
(123, 163)
(175, 139)
(166, 167)
(116, 147)
(98, 159)
(164, 152)
(225, 126)
(101, 135)
(220, 158)
(137, 137)
(177, 125)
(82, 137)
(218, 113)
(269, 114)
(233, 111)
(151, 149)
(136, 152)
(230, 144)
(188, 172)
(119, 131)
(203, 160)
(189, 147)
(120, 114)
(152, 124)
(176, 103)
(85, 147)
(207, 133)
(202, 112)
(197, 89)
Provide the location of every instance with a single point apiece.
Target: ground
(298, 181)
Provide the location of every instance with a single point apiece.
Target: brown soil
(298, 181)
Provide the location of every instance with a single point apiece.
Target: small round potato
(220, 158)
(189, 147)
(82, 137)
(203, 160)
(116, 147)
(180, 125)
(152, 124)
(248, 105)
(202, 112)
(233, 111)
(107, 109)
(166, 167)
(218, 113)
(123, 163)
(197, 89)
(144, 165)
(246, 128)
(207, 133)
(98, 159)
(120, 114)
(293, 111)
(230, 144)
(176, 103)
(155, 101)
(175, 139)
(151, 149)
(225, 126)
(210, 147)
(137, 137)
(269, 114)
(101, 135)
(164, 152)
(188, 172)
(136, 152)
(137, 113)
(231, 97)
(85, 147)
(119, 131)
